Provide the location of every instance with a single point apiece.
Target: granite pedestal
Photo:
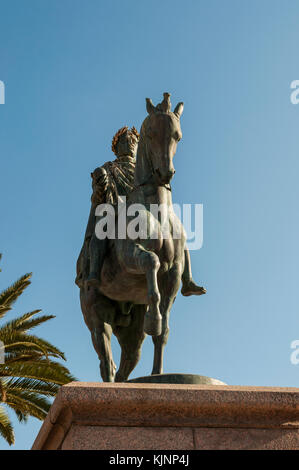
(127, 416)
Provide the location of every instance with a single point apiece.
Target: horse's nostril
(164, 177)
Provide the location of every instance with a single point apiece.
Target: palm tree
(29, 375)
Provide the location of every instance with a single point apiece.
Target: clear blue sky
(76, 71)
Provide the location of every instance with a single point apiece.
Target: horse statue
(140, 277)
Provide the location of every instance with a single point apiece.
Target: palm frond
(17, 323)
(10, 295)
(22, 417)
(29, 377)
(29, 404)
(48, 371)
(10, 336)
(30, 385)
(25, 355)
(6, 429)
(26, 324)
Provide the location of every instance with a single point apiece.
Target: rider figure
(113, 179)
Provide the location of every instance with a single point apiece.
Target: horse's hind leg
(170, 283)
(130, 339)
(91, 303)
(140, 261)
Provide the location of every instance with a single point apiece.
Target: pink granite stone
(246, 439)
(217, 416)
(129, 438)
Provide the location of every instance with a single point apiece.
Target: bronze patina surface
(176, 379)
(128, 286)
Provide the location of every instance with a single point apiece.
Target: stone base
(136, 416)
(176, 379)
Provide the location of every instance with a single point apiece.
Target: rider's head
(125, 142)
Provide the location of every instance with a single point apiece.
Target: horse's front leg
(169, 285)
(136, 259)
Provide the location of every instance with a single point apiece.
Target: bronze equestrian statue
(128, 285)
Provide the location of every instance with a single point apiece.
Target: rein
(165, 185)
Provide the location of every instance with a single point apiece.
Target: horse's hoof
(153, 324)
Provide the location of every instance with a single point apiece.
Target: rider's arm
(99, 185)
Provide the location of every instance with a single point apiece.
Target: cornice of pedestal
(163, 405)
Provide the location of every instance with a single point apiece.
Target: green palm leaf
(6, 429)
(48, 371)
(30, 376)
(22, 417)
(24, 355)
(9, 337)
(30, 385)
(18, 322)
(25, 323)
(27, 406)
(10, 295)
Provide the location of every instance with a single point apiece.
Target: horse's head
(161, 131)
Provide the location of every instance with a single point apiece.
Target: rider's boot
(97, 251)
(189, 287)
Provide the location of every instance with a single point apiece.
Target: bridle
(148, 181)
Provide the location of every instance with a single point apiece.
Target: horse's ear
(179, 109)
(149, 106)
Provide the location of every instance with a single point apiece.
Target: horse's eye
(177, 136)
